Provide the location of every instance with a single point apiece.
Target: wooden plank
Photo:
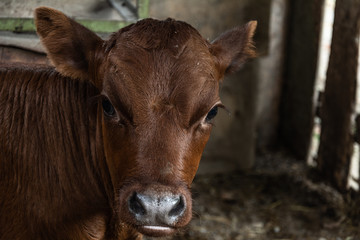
(296, 110)
(16, 55)
(27, 25)
(99, 26)
(270, 80)
(336, 140)
(17, 24)
(143, 8)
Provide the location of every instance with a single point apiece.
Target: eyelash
(211, 114)
(108, 108)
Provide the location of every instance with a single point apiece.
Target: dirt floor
(279, 200)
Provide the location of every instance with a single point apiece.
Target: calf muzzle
(163, 209)
(158, 210)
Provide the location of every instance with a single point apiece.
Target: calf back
(48, 167)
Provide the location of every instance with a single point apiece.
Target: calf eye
(108, 108)
(213, 112)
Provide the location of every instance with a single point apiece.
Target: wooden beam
(98, 26)
(296, 110)
(28, 25)
(336, 140)
(143, 8)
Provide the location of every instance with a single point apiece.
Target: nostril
(136, 206)
(178, 208)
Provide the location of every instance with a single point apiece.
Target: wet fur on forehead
(167, 61)
(152, 34)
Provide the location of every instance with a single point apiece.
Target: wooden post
(336, 138)
(297, 110)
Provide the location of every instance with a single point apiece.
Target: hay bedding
(279, 200)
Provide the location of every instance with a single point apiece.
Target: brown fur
(66, 169)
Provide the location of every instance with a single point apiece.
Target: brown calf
(106, 145)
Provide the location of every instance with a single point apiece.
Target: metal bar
(125, 8)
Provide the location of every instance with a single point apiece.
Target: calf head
(159, 85)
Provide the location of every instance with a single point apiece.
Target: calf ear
(234, 47)
(69, 45)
